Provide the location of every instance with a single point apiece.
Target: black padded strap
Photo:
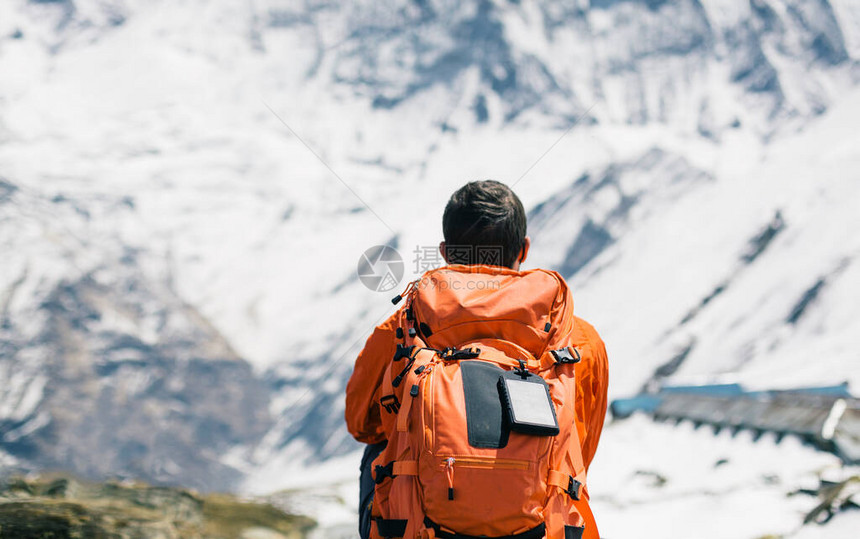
(391, 528)
(538, 532)
(573, 532)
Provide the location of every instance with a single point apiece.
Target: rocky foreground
(60, 508)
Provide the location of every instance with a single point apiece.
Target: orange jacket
(363, 389)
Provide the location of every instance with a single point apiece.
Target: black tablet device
(528, 404)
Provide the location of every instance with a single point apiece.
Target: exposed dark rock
(590, 242)
(834, 497)
(162, 407)
(805, 301)
(750, 66)
(607, 4)
(477, 41)
(671, 367)
(655, 479)
(315, 417)
(480, 108)
(599, 228)
(763, 239)
(7, 190)
(719, 289)
(63, 508)
(821, 30)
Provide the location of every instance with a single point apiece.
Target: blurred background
(187, 187)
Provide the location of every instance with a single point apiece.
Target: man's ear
(525, 251)
(443, 252)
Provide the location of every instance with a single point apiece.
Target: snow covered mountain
(186, 188)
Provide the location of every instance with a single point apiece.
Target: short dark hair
(484, 223)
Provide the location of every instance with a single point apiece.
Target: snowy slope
(193, 172)
(723, 265)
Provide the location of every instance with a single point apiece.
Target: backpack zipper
(487, 463)
(449, 471)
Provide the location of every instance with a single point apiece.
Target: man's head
(485, 223)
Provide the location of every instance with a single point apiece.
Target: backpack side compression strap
(405, 467)
(537, 532)
(567, 483)
(395, 468)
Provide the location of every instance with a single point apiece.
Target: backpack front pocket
(476, 495)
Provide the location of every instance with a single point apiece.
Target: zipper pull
(449, 471)
(396, 299)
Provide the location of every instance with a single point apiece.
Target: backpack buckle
(403, 351)
(390, 404)
(566, 355)
(454, 354)
(381, 472)
(573, 487)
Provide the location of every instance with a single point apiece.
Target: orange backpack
(457, 465)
